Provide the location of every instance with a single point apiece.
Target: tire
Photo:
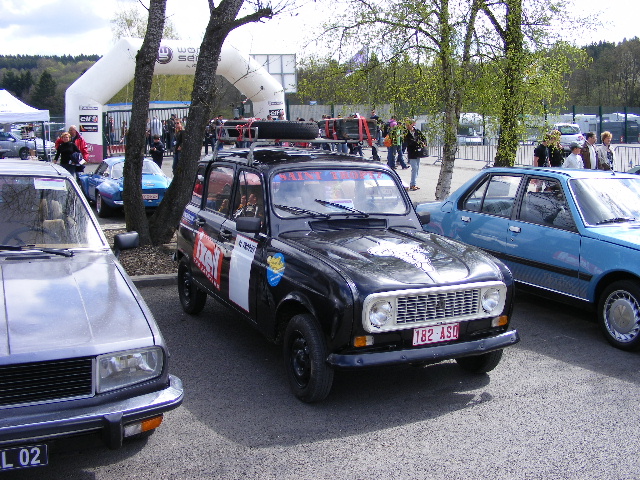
(305, 355)
(102, 209)
(24, 153)
(480, 363)
(619, 314)
(275, 130)
(192, 299)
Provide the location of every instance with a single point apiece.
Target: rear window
(568, 129)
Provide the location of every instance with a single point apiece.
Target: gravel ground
(146, 260)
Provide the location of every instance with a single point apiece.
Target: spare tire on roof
(276, 129)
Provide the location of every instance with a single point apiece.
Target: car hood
(404, 258)
(625, 234)
(77, 306)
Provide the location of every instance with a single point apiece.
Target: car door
(483, 216)
(242, 274)
(543, 246)
(208, 248)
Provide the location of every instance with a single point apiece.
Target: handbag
(387, 141)
(76, 158)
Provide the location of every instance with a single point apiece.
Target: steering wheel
(15, 235)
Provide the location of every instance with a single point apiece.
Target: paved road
(561, 405)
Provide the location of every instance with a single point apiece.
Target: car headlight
(491, 300)
(381, 313)
(121, 369)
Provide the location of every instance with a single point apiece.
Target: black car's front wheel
(24, 153)
(305, 356)
(619, 314)
(192, 298)
(480, 363)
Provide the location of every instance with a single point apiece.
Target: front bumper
(425, 354)
(108, 419)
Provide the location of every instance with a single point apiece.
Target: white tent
(13, 110)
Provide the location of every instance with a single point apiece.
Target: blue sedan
(105, 185)
(569, 234)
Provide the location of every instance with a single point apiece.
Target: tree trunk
(135, 216)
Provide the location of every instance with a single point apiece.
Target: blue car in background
(105, 185)
(569, 234)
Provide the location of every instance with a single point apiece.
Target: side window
(500, 195)
(474, 201)
(219, 186)
(544, 203)
(249, 200)
(198, 187)
(101, 168)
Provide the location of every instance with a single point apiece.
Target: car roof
(113, 160)
(27, 167)
(562, 172)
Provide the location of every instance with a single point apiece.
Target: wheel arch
(293, 304)
(608, 279)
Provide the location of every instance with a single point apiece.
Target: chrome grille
(43, 382)
(437, 306)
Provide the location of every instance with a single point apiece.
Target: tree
(18, 83)
(44, 95)
(162, 224)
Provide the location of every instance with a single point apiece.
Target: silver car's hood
(77, 306)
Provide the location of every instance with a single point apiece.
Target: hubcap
(186, 286)
(300, 361)
(622, 316)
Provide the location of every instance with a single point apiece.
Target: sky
(72, 27)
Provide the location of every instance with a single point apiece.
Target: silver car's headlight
(121, 369)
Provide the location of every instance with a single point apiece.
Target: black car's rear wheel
(305, 356)
(480, 363)
(619, 314)
(192, 299)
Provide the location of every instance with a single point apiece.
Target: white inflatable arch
(85, 98)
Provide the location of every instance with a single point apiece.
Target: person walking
(397, 133)
(588, 152)
(574, 160)
(541, 152)
(555, 149)
(416, 144)
(177, 145)
(65, 148)
(157, 150)
(604, 152)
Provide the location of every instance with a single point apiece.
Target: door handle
(200, 221)
(226, 234)
(465, 219)
(514, 229)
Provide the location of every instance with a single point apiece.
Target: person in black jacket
(416, 144)
(157, 150)
(65, 152)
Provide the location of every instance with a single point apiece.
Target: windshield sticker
(240, 270)
(275, 270)
(328, 175)
(412, 254)
(49, 183)
(207, 256)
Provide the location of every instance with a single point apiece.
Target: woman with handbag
(65, 152)
(416, 149)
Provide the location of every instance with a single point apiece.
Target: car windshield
(44, 212)
(336, 191)
(607, 200)
(148, 167)
(568, 129)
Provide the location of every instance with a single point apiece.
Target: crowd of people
(549, 153)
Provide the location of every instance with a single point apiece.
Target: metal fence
(626, 156)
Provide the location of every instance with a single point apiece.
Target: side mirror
(424, 218)
(125, 241)
(249, 224)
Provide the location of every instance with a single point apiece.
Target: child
(157, 150)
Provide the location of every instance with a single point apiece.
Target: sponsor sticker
(208, 256)
(88, 118)
(275, 270)
(88, 128)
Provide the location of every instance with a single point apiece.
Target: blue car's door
(96, 179)
(483, 217)
(543, 244)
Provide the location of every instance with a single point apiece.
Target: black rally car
(325, 254)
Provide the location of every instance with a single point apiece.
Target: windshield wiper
(65, 252)
(617, 220)
(301, 211)
(343, 207)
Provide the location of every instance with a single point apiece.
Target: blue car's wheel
(102, 209)
(619, 314)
